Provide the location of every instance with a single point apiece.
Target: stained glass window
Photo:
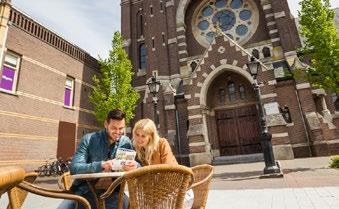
(242, 92)
(142, 56)
(207, 11)
(234, 17)
(242, 30)
(245, 14)
(231, 91)
(236, 4)
(203, 25)
(225, 19)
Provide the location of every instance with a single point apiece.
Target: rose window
(236, 18)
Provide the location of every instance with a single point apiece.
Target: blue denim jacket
(92, 150)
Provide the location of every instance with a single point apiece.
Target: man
(95, 153)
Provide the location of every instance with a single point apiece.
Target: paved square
(287, 198)
(307, 184)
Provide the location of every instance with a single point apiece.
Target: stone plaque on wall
(279, 72)
(271, 108)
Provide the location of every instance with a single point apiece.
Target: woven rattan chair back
(155, 186)
(158, 186)
(202, 179)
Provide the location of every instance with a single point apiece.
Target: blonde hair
(145, 153)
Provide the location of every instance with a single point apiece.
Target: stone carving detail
(195, 130)
(221, 50)
(275, 120)
(313, 120)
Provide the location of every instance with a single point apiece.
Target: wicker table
(92, 178)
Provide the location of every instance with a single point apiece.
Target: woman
(152, 150)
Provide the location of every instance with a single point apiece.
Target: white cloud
(88, 24)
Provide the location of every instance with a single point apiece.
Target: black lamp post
(154, 87)
(266, 138)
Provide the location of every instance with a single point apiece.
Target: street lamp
(265, 137)
(154, 87)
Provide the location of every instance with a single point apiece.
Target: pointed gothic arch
(214, 74)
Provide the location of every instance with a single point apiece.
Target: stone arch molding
(183, 4)
(213, 74)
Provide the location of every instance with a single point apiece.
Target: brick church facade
(206, 105)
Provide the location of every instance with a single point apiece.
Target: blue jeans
(110, 203)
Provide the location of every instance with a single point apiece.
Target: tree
(321, 44)
(112, 89)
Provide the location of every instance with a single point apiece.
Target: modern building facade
(44, 87)
(206, 104)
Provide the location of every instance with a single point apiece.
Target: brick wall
(33, 112)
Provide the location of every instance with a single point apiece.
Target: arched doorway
(232, 100)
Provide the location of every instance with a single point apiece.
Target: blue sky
(87, 23)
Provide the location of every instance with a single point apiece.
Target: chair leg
(121, 195)
(102, 204)
(20, 195)
(13, 200)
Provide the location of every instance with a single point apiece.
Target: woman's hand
(130, 165)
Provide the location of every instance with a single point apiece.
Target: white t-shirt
(189, 199)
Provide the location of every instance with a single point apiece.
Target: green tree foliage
(113, 89)
(334, 163)
(322, 43)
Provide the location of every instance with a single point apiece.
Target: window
(151, 11)
(266, 51)
(193, 66)
(69, 92)
(140, 24)
(242, 92)
(10, 71)
(231, 91)
(238, 19)
(255, 53)
(153, 45)
(221, 96)
(142, 56)
(161, 6)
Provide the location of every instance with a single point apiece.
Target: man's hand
(130, 165)
(107, 166)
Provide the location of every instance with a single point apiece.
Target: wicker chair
(155, 187)
(65, 181)
(202, 179)
(19, 194)
(9, 178)
(12, 181)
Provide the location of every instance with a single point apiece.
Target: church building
(206, 106)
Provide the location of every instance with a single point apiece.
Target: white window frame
(71, 87)
(15, 68)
